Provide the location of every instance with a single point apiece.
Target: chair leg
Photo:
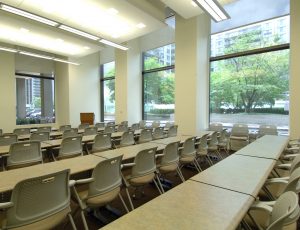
(209, 160)
(122, 200)
(180, 174)
(157, 186)
(130, 201)
(159, 183)
(197, 164)
(72, 221)
(84, 220)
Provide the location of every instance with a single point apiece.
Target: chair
(70, 133)
(127, 139)
(83, 126)
(239, 137)
(201, 148)
(216, 127)
(281, 214)
(103, 187)
(223, 141)
(187, 154)
(124, 123)
(40, 136)
(39, 203)
(169, 160)
(213, 145)
(23, 154)
(142, 124)
(267, 130)
(169, 124)
(44, 129)
(90, 131)
(70, 147)
(172, 131)
(8, 139)
(135, 126)
(155, 124)
(286, 169)
(143, 171)
(22, 131)
(122, 128)
(102, 142)
(100, 125)
(109, 129)
(158, 133)
(145, 136)
(63, 128)
(111, 123)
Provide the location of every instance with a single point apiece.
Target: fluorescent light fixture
(8, 49)
(81, 33)
(65, 61)
(213, 8)
(27, 15)
(194, 4)
(141, 25)
(113, 44)
(35, 55)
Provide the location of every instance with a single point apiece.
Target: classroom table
(57, 142)
(190, 205)
(77, 164)
(238, 173)
(268, 146)
(198, 134)
(129, 152)
(5, 149)
(168, 140)
(54, 134)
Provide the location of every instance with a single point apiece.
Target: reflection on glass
(109, 100)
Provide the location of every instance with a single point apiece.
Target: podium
(87, 118)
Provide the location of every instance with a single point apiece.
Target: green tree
(36, 102)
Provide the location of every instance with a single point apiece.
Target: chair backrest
(83, 126)
(293, 182)
(213, 139)
(100, 125)
(135, 126)
(155, 124)
(124, 123)
(171, 154)
(22, 131)
(216, 127)
(240, 130)
(38, 198)
(169, 124)
(63, 128)
(40, 136)
(24, 153)
(142, 124)
(44, 129)
(8, 139)
(70, 133)
(202, 146)
(127, 139)
(189, 147)
(144, 163)
(107, 176)
(295, 164)
(223, 136)
(267, 130)
(285, 210)
(122, 128)
(172, 132)
(70, 147)
(111, 123)
(146, 135)
(158, 133)
(90, 131)
(109, 129)
(102, 142)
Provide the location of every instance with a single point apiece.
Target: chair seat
(187, 159)
(202, 153)
(167, 168)
(238, 138)
(136, 181)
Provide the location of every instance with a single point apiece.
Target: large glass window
(35, 99)
(249, 79)
(108, 91)
(159, 83)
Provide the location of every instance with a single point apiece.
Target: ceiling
(114, 20)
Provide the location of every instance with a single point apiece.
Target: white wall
(84, 88)
(107, 55)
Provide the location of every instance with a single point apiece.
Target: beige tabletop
(57, 142)
(266, 147)
(27, 136)
(198, 134)
(169, 140)
(129, 152)
(78, 164)
(5, 149)
(239, 173)
(190, 205)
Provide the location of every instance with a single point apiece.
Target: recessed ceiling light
(141, 25)
(24, 30)
(8, 49)
(79, 32)
(113, 44)
(112, 11)
(193, 4)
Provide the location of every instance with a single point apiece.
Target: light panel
(113, 44)
(65, 61)
(35, 55)
(213, 8)
(8, 49)
(79, 32)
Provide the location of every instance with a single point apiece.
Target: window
(249, 78)
(35, 98)
(159, 83)
(108, 91)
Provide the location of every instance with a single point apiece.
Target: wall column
(192, 40)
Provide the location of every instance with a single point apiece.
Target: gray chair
(223, 141)
(40, 136)
(70, 147)
(63, 128)
(102, 188)
(143, 172)
(124, 123)
(158, 133)
(23, 154)
(109, 129)
(111, 123)
(127, 139)
(135, 126)
(100, 125)
(213, 145)
(142, 124)
(70, 133)
(239, 137)
(202, 149)
(102, 142)
(155, 124)
(39, 203)
(145, 136)
(187, 154)
(44, 129)
(90, 131)
(22, 131)
(172, 131)
(216, 127)
(267, 130)
(122, 128)
(8, 139)
(83, 126)
(169, 124)
(169, 160)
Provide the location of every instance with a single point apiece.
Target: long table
(5, 149)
